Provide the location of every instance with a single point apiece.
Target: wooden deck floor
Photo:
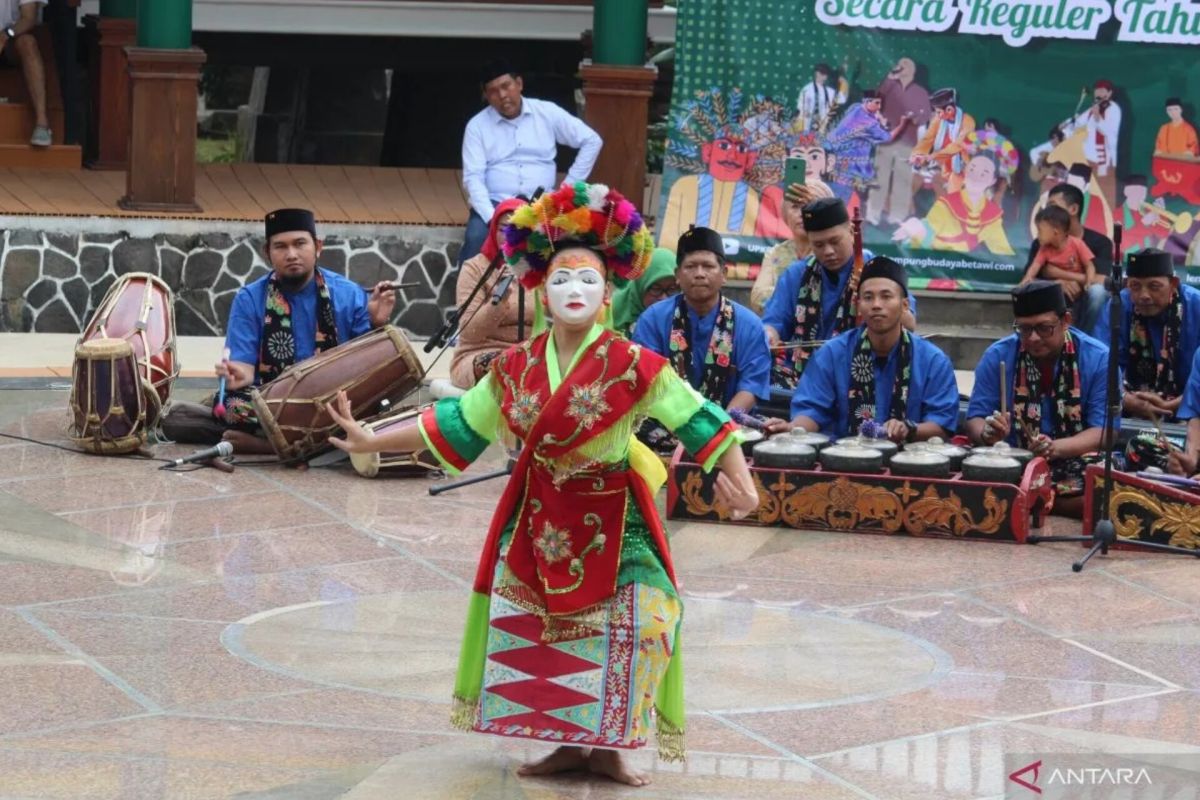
(367, 195)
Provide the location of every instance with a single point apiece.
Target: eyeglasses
(1044, 330)
(661, 291)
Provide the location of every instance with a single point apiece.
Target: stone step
(17, 120)
(59, 156)
(963, 308)
(964, 344)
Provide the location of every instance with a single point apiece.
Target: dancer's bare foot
(564, 759)
(609, 762)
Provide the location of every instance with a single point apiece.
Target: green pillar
(619, 32)
(165, 24)
(119, 9)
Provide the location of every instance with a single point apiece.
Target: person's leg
(30, 57)
(900, 203)
(1090, 306)
(477, 229)
(881, 186)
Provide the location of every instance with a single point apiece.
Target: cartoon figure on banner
(773, 141)
(730, 149)
(1008, 158)
(854, 138)
(818, 100)
(1176, 137)
(1042, 171)
(1103, 125)
(822, 165)
(1096, 213)
(1142, 223)
(1176, 161)
(964, 220)
(905, 110)
(938, 157)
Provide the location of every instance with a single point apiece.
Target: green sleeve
(700, 425)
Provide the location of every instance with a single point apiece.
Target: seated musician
(878, 371)
(1055, 385)
(1187, 462)
(487, 328)
(287, 316)
(715, 344)
(814, 298)
(1160, 330)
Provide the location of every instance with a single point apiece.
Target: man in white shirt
(817, 98)
(19, 48)
(509, 149)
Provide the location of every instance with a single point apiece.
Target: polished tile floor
(284, 634)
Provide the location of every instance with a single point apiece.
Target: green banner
(942, 123)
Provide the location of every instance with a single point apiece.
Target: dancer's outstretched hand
(358, 439)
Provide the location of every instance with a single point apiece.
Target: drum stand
(508, 468)
(1104, 534)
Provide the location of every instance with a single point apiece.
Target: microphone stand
(508, 468)
(1104, 533)
(450, 326)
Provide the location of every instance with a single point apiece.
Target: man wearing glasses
(1054, 384)
(715, 344)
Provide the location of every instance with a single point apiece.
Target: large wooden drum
(108, 412)
(139, 308)
(377, 366)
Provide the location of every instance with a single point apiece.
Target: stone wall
(53, 282)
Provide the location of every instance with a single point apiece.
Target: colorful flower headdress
(579, 214)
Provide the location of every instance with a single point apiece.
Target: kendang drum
(108, 411)
(139, 308)
(400, 465)
(377, 366)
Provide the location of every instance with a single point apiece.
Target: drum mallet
(219, 408)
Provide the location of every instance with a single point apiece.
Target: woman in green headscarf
(657, 282)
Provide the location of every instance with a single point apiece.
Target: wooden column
(108, 73)
(163, 88)
(617, 106)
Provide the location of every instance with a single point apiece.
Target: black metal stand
(508, 468)
(1104, 533)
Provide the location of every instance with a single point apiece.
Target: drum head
(365, 464)
(103, 349)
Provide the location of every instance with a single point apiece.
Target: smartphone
(793, 171)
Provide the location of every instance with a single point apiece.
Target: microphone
(502, 289)
(220, 450)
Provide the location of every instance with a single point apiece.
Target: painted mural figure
(905, 108)
(733, 151)
(1100, 147)
(855, 137)
(1139, 219)
(964, 220)
(818, 99)
(944, 141)
(1177, 137)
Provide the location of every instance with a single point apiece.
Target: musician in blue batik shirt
(1160, 330)
(1055, 377)
(815, 298)
(879, 371)
(715, 344)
